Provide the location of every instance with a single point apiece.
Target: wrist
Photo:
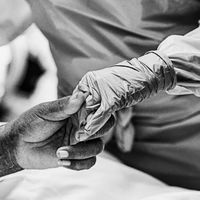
(162, 68)
(8, 143)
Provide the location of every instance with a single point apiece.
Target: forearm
(8, 164)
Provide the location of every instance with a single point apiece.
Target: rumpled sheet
(107, 180)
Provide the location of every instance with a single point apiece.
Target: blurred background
(27, 73)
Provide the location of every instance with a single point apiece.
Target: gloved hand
(32, 140)
(123, 85)
(124, 131)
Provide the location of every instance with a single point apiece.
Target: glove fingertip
(83, 88)
(81, 136)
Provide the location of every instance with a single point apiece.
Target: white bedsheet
(108, 180)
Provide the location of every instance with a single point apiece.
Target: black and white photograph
(99, 100)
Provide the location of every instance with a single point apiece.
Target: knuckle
(79, 151)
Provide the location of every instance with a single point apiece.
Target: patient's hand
(32, 140)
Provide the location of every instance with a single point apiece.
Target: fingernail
(63, 154)
(64, 163)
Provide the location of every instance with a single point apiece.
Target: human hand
(123, 85)
(32, 140)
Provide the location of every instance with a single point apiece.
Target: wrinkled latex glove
(123, 85)
(40, 138)
(124, 131)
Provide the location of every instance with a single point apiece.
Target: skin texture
(38, 138)
(8, 162)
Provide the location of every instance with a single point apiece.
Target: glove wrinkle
(126, 84)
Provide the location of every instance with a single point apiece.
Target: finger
(105, 129)
(82, 115)
(87, 85)
(78, 164)
(93, 99)
(70, 128)
(97, 121)
(125, 137)
(85, 113)
(81, 150)
(91, 104)
(108, 136)
(78, 121)
(83, 86)
(61, 108)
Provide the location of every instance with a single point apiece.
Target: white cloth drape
(107, 180)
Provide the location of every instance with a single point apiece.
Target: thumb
(95, 122)
(62, 108)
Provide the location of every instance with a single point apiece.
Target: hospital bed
(107, 180)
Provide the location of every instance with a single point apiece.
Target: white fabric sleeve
(184, 52)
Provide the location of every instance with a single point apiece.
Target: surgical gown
(92, 34)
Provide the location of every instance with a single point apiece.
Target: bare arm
(8, 163)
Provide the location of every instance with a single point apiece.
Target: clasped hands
(43, 136)
(67, 132)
